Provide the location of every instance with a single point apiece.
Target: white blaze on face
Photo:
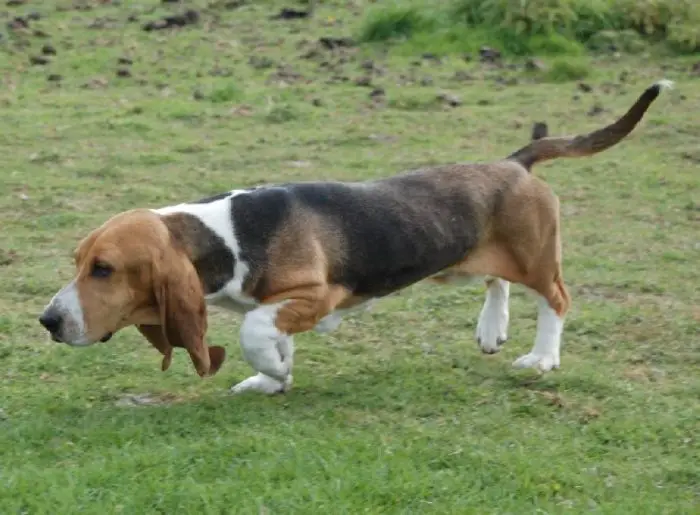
(65, 306)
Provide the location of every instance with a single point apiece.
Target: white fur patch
(66, 304)
(216, 216)
(544, 356)
(492, 327)
(269, 351)
(665, 84)
(263, 384)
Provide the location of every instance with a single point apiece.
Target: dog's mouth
(56, 337)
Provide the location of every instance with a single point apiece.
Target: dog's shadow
(142, 417)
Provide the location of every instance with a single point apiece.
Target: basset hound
(295, 257)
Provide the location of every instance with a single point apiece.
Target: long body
(294, 257)
(381, 235)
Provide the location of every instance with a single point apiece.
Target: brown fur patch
(153, 284)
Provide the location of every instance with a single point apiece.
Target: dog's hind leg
(553, 302)
(492, 327)
(524, 248)
(497, 261)
(552, 306)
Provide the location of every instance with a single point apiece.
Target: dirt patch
(288, 13)
(189, 17)
(147, 399)
(643, 373)
(7, 257)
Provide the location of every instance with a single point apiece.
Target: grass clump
(398, 22)
(226, 94)
(564, 70)
(282, 113)
(526, 27)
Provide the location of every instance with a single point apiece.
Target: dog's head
(129, 272)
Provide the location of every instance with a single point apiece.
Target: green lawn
(397, 411)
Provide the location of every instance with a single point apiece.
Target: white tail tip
(665, 84)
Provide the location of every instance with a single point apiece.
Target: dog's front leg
(268, 350)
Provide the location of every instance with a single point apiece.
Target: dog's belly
(452, 276)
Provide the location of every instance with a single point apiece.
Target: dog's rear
(524, 244)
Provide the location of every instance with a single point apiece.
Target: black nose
(50, 321)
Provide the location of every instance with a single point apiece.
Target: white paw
(541, 362)
(264, 384)
(328, 324)
(492, 328)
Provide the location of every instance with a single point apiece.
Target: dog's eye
(101, 270)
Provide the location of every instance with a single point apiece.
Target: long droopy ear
(154, 334)
(183, 315)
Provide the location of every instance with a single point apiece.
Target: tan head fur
(129, 272)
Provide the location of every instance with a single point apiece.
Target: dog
(299, 256)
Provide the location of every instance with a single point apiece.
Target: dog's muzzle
(53, 323)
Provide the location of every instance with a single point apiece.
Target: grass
(523, 27)
(397, 412)
(565, 70)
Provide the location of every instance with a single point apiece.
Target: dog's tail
(546, 148)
